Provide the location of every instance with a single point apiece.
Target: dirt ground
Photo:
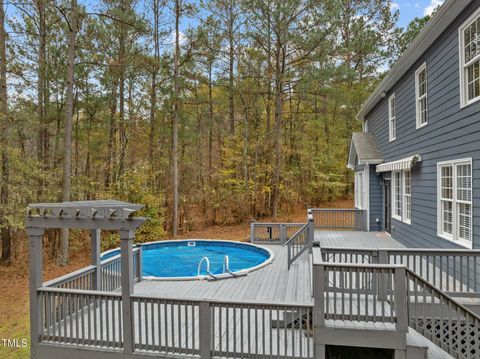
(14, 318)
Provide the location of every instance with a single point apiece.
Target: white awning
(399, 165)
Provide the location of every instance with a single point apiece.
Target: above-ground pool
(181, 259)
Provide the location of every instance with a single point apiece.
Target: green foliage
(135, 187)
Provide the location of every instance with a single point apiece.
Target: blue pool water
(181, 258)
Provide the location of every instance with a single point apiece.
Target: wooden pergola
(94, 216)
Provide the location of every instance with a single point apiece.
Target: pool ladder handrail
(226, 266)
(208, 267)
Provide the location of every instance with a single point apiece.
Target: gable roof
(364, 148)
(445, 15)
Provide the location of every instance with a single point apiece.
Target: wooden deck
(271, 284)
(351, 239)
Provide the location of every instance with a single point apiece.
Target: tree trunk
(121, 90)
(176, 119)
(279, 72)
(42, 138)
(4, 192)
(112, 138)
(153, 89)
(67, 143)
(231, 64)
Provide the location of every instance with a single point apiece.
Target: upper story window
(470, 60)
(455, 201)
(392, 118)
(421, 95)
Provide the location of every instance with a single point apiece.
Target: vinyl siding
(451, 133)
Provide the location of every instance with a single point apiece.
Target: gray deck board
(271, 284)
(356, 239)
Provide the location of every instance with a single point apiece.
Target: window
(407, 196)
(397, 195)
(455, 201)
(402, 196)
(392, 118)
(359, 190)
(421, 95)
(469, 34)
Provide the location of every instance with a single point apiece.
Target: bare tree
(4, 192)
(72, 22)
(176, 116)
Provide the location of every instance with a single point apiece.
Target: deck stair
(442, 320)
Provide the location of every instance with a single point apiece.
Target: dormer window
(392, 118)
(470, 60)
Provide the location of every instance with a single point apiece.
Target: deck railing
(453, 271)
(389, 293)
(272, 233)
(301, 241)
(80, 317)
(439, 318)
(109, 274)
(176, 326)
(339, 219)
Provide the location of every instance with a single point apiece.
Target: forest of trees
(207, 112)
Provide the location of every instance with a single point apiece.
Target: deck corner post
(140, 263)
(283, 233)
(311, 230)
(205, 323)
(252, 231)
(400, 300)
(318, 283)
(95, 258)
(35, 236)
(126, 245)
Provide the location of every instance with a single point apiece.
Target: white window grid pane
(465, 221)
(471, 40)
(447, 182)
(408, 194)
(464, 182)
(422, 83)
(392, 118)
(398, 196)
(423, 110)
(473, 80)
(447, 217)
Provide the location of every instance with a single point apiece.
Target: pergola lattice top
(101, 214)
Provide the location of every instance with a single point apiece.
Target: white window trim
(390, 118)
(461, 43)
(359, 189)
(417, 95)
(393, 208)
(404, 202)
(454, 237)
(365, 192)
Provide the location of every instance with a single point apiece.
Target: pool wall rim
(242, 272)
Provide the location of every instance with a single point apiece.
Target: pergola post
(126, 246)
(95, 256)
(35, 236)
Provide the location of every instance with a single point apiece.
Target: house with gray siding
(417, 162)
